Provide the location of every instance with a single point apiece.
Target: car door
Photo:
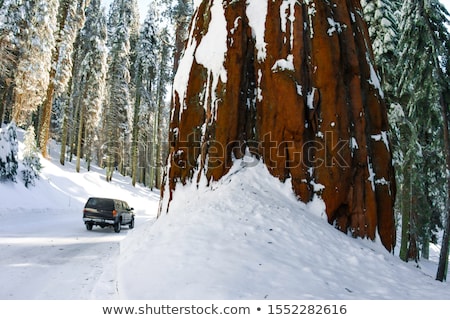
(126, 216)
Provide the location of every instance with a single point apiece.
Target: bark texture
(297, 87)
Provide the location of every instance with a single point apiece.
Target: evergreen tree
(161, 113)
(32, 75)
(70, 104)
(382, 17)
(122, 32)
(423, 88)
(92, 78)
(14, 25)
(8, 52)
(8, 153)
(8, 60)
(181, 16)
(384, 32)
(154, 60)
(31, 161)
(144, 77)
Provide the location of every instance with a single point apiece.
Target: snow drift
(248, 237)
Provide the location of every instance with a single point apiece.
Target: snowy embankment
(244, 237)
(247, 237)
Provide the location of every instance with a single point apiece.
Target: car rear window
(99, 203)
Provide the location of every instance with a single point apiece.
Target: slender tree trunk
(135, 137)
(3, 100)
(155, 136)
(154, 146)
(77, 101)
(44, 123)
(80, 137)
(62, 153)
(413, 250)
(426, 247)
(406, 213)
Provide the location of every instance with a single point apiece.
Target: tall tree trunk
(46, 114)
(405, 199)
(80, 135)
(300, 91)
(135, 137)
(65, 129)
(155, 134)
(154, 148)
(3, 101)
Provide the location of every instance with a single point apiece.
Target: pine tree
(161, 113)
(31, 78)
(9, 148)
(14, 25)
(8, 49)
(8, 61)
(122, 32)
(31, 162)
(424, 47)
(181, 16)
(384, 32)
(92, 81)
(144, 77)
(382, 17)
(155, 58)
(71, 101)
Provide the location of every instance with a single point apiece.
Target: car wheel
(132, 223)
(89, 226)
(117, 227)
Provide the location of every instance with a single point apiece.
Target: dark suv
(105, 212)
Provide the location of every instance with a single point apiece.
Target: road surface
(49, 254)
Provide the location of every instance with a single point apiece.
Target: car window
(99, 203)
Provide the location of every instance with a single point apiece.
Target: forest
(100, 83)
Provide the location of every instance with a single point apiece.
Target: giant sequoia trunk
(293, 83)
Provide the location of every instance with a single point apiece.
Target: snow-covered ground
(244, 237)
(46, 251)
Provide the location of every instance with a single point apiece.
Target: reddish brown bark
(321, 121)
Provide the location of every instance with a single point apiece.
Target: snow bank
(247, 237)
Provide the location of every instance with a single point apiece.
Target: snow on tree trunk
(293, 83)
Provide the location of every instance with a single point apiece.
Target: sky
(143, 6)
